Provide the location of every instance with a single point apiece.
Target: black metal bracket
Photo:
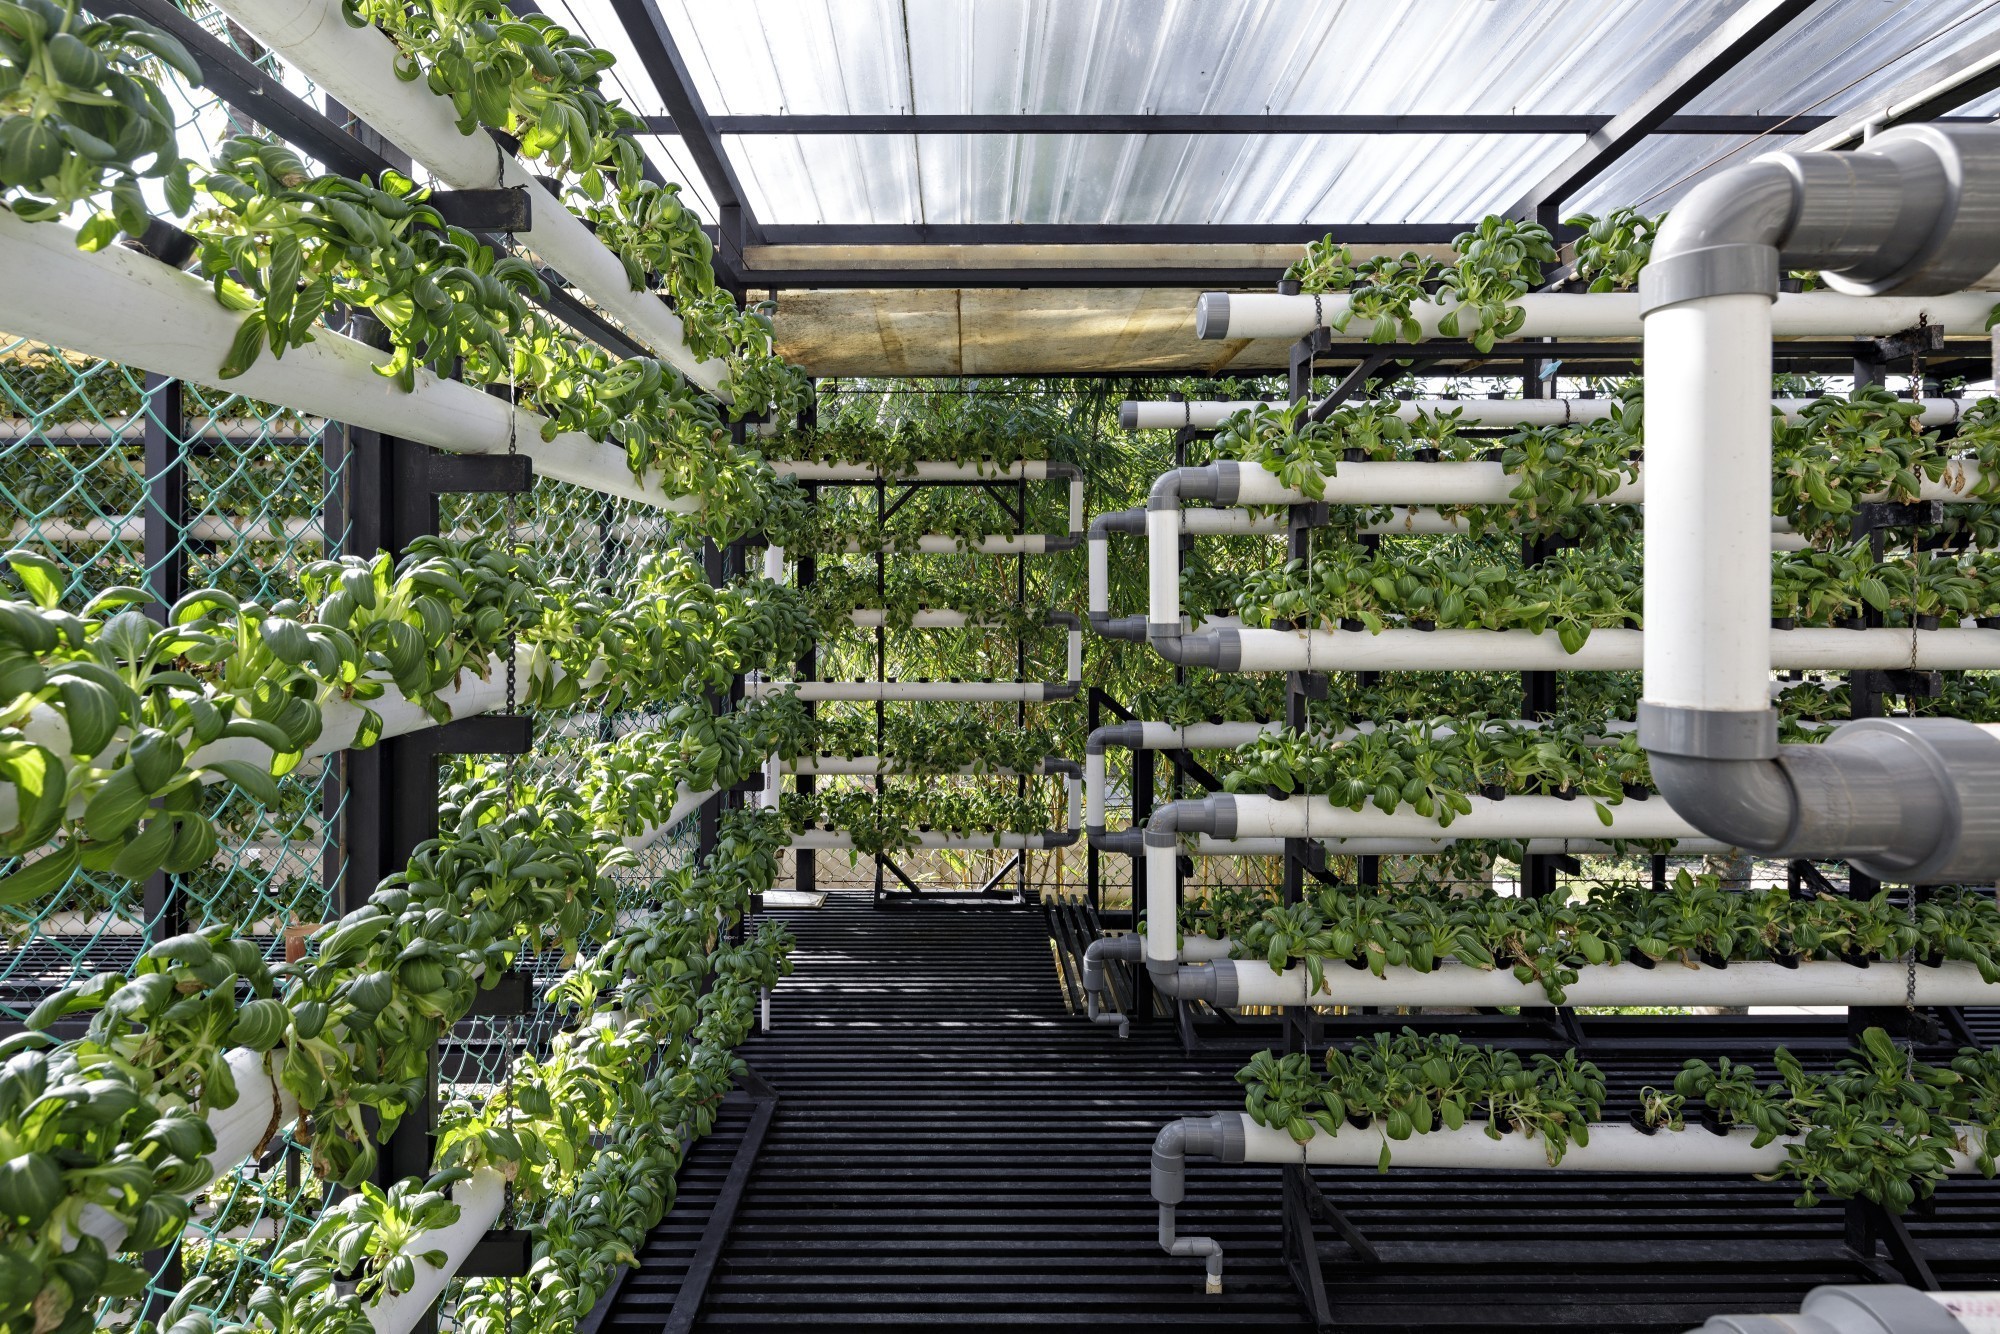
(1869, 1223)
(1304, 1204)
(1918, 339)
(481, 734)
(501, 1253)
(506, 209)
(1873, 515)
(509, 998)
(508, 474)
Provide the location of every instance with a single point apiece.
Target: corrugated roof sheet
(1497, 57)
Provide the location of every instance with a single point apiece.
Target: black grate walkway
(953, 1149)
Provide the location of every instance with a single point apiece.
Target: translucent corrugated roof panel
(1245, 57)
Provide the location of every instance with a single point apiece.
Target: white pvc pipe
(1166, 736)
(480, 1202)
(128, 429)
(927, 470)
(774, 564)
(262, 1105)
(944, 544)
(1163, 567)
(874, 618)
(1511, 818)
(1207, 845)
(1708, 581)
(1032, 692)
(867, 766)
(358, 65)
(839, 840)
(1741, 983)
(1597, 315)
(1073, 658)
(1881, 648)
(131, 529)
(340, 721)
(117, 304)
(686, 803)
(1612, 1148)
(1137, 415)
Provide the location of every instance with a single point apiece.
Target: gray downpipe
(1914, 801)
(1128, 948)
(1101, 620)
(1218, 484)
(1219, 1137)
(1128, 736)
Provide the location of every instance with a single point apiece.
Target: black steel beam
(1064, 123)
(1099, 233)
(1755, 22)
(254, 93)
(654, 43)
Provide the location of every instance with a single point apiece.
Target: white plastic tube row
(340, 721)
(944, 544)
(1742, 983)
(1144, 415)
(1032, 692)
(125, 307)
(1031, 470)
(1590, 315)
(1612, 1148)
(1316, 817)
(1166, 736)
(358, 65)
(1882, 648)
(839, 840)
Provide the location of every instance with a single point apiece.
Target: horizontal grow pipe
(123, 306)
(1032, 470)
(866, 766)
(1880, 648)
(1230, 817)
(1595, 314)
(839, 840)
(131, 529)
(1131, 843)
(240, 1129)
(359, 66)
(1207, 415)
(1231, 983)
(874, 618)
(1915, 211)
(1031, 692)
(944, 544)
(340, 722)
(1232, 1137)
(1155, 736)
(130, 430)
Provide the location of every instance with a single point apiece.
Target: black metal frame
(878, 123)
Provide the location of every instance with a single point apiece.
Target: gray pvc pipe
(1916, 211)
(1218, 1137)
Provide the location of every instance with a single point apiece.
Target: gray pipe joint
(1850, 1309)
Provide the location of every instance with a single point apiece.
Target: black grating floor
(952, 1148)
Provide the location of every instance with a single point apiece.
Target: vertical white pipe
(1076, 504)
(480, 1202)
(1100, 574)
(1074, 790)
(1162, 924)
(1163, 567)
(1093, 789)
(774, 564)
(1708, 457)
(1075, 657)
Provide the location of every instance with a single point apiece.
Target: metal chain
(1910, 993)
(513, 645)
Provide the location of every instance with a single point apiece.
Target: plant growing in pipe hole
(1614, 247)
(1326, 266)
(1661, 1110)
(1880, 1126)
(1498, 262)
(1546, 942)
(1408, 1084)
(1385, 293)
(80, 113)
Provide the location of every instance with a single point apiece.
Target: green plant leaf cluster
(1499, 261)
(81, 115)
(1879, 1126)
(1614, 247)
(1546, 941)
(1404, 1084)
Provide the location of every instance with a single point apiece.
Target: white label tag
(1979, 1312)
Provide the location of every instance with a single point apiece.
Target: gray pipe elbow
(1053, 766)
(1178, 485)
(1109, 949)
(1057, 542)
(1059, 838)
(1108, 626)
(1906, 800)
(1063, 471)
(1068, 620)
(1119, 843)
(1218, 650)
(1117, 521)
(1129, 736)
